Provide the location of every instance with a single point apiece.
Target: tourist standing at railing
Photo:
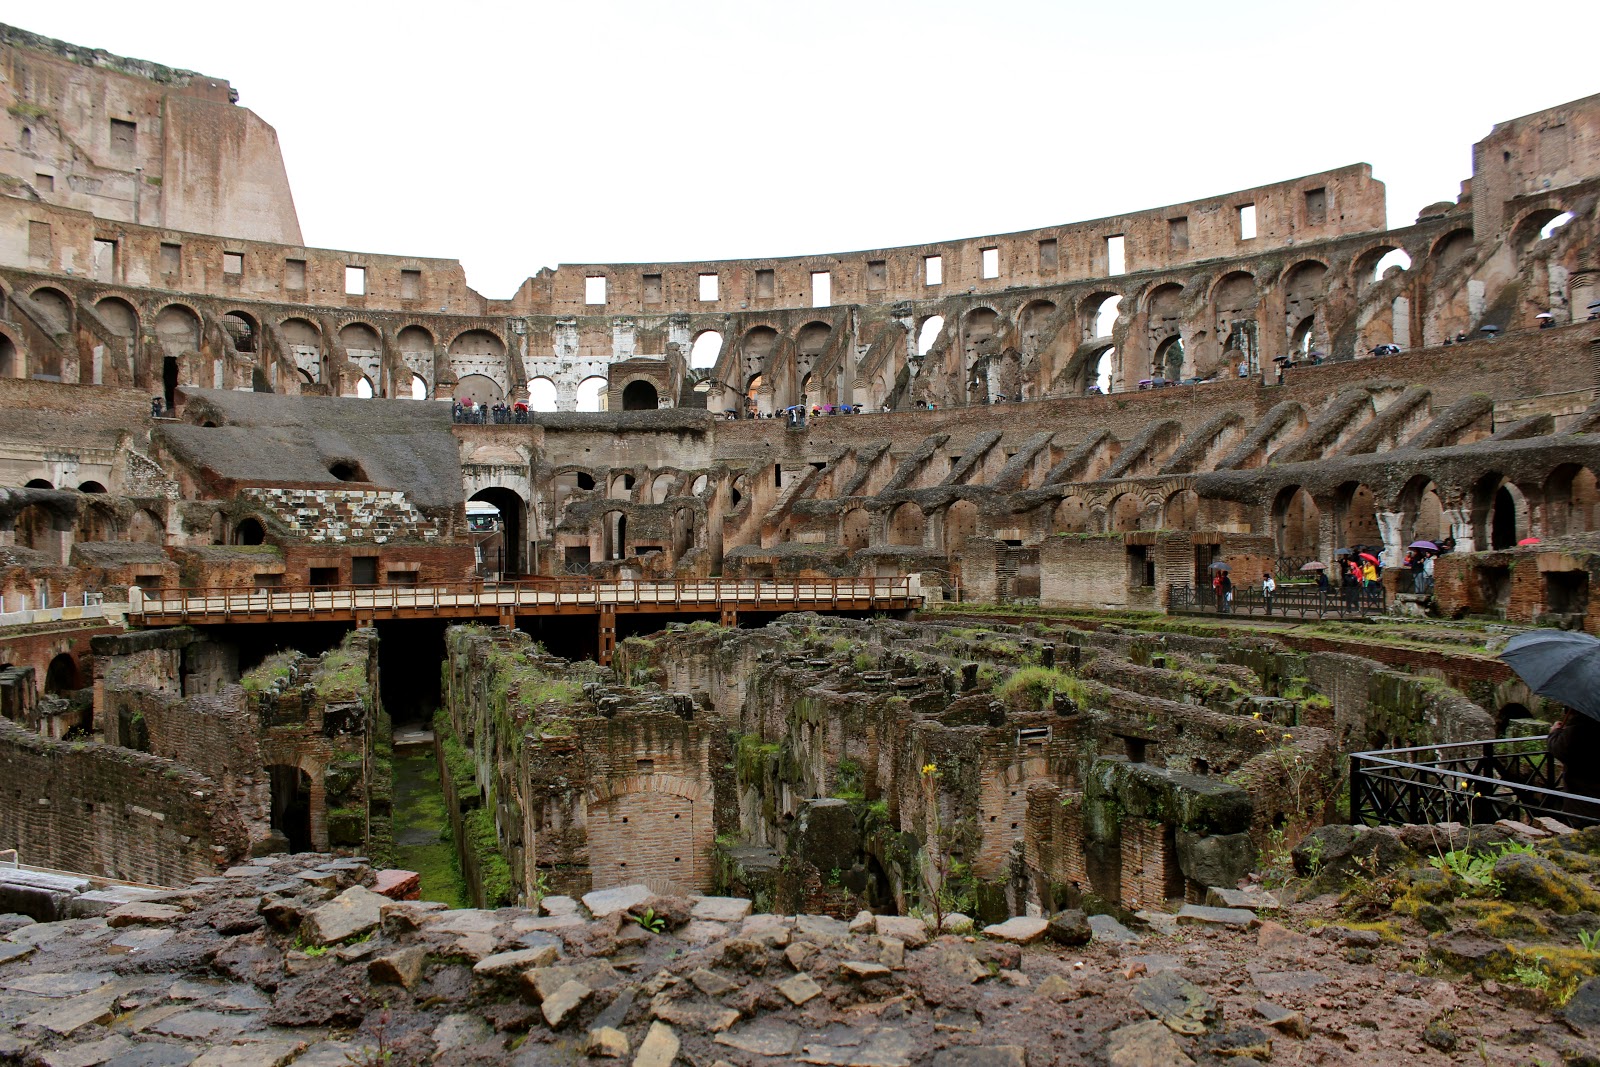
(1427, 574)
(1268, 587)
(1322, 585)
(1575, 742)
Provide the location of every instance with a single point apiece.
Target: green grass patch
(420, 817)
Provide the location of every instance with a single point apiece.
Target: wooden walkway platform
(505, 602)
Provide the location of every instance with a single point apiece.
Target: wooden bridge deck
(505, 601)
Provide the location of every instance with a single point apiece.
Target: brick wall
(111, 812)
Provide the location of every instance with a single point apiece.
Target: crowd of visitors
(467, 410)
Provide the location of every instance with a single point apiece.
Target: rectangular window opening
(44, 183)
(766, 283)
(294, 274)
(105, 260)
(171, 258)
(594, 289)
(708, 287)
(1178, 234)
(1048, 254)
(1247, 222)
(990, 262)
(652, 288)
(411, 285)
(933, 270)
(124, 138)
(877, 275)
(40, 245)
(355, 281)
(821, 288)
(233, 262)
(1316, 206)
(1116, 262)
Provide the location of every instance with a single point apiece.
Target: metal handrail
(1467, 781)
(1285, 600)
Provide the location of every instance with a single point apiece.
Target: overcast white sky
(519, 135)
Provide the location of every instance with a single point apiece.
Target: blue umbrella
(1559, 665)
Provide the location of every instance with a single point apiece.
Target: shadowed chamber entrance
(291, 806)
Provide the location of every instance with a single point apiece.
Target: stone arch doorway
(61, 676)
(639, 396)
(506, 556)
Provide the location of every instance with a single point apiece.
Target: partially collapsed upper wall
(133, 141)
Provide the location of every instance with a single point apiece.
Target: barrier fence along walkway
(1289, 601)
(1465, 782)
(559, 596)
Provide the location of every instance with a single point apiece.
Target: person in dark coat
(1575, 742)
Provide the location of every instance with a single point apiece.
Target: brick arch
(672, 784)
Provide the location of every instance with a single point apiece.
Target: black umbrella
(1559, 665)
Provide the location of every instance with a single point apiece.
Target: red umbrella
(1528, 541)
(1369, 557)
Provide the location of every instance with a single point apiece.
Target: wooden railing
(546, 595)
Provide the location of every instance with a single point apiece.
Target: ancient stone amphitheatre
(857, 659)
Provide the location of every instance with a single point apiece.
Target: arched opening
(97, 523)
(1503, 523)
(907, 525)
(416, 352)
(661, 487)
(1377, 269)
(932, 327)
(1356, 517)
(291, 805)
(147, 528)
(1421, 512)
(621, 487)
(249, 532)
(1099, 315)
(639, 396)
(9, 367)
(614, 535)
(592, 394)
(855, 529)
(542, 394)
(1181, 511)
(503, 550)
(347, 470)
(56, 307)
(1105, 370)
(1296, 521)
(178, 330)
(1300, 339)
(1572, 501)
(960, 523)
(419, 388)
(364, 388)
(119, 316)
(91, 487)
(1548, 230)
(1169, 359)
(62, 675)
(37, 483)
(1070, 516)
(1124, 513)
(242, 330)
(752, 397)
(705, 350)
(480, 389)
(1452, 248)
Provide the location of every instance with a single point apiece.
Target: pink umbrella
(1528, 541)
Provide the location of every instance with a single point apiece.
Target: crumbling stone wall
(111, 811)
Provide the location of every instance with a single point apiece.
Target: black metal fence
(1465, 782)
(1294, 601)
